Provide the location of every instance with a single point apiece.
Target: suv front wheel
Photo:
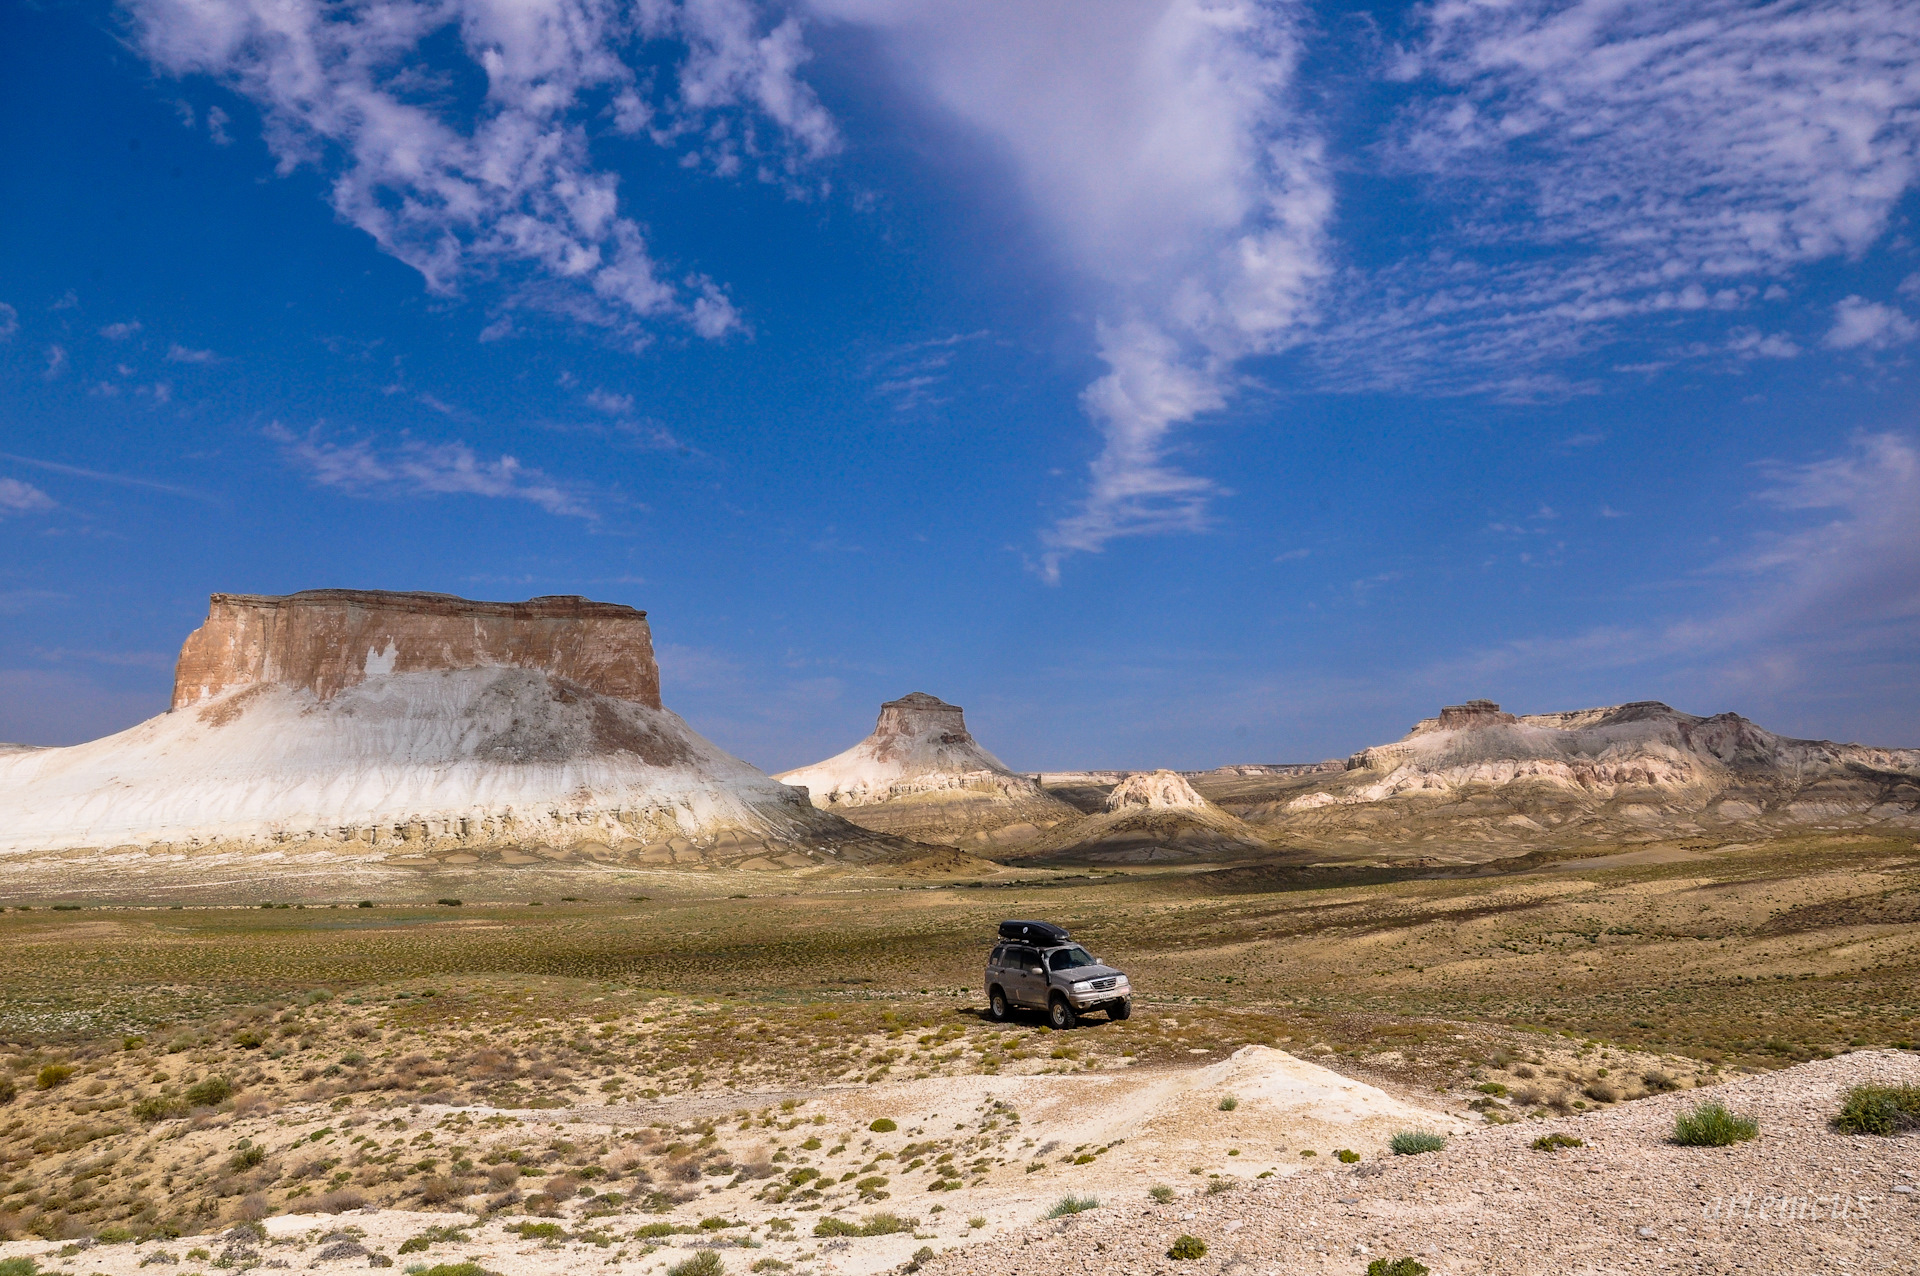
(1060, 1015)
(997, 1006)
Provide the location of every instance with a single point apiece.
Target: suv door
(1024, 982)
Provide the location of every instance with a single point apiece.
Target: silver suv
(1035, 965)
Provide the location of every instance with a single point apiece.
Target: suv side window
(999, 956)
(1022, 958)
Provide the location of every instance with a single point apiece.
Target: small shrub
(1187, 1247)
(453, 1269)
(1161, 1193)
(705, 1263)
(884, 1125)
(1414, 1142)
(54, 1074)
(450, 903)
(1554, 1142)
(1658, 1081)
(19, 1267)
(1398, 1267)
(7, 1090)
(210, 1093)
(554, 1232)
(1493, 1088)
(1215, 1186)
(771, 1265)
(246, 1158)
(158, 1107)
(1602, 1092)
(1073, 1205)
(976, 1222)
(248, 1039)
(1879, 1109)
(1347, 1156)
(113, 1234)
(365, 903)
(1229, 1103)
(1711, 1126)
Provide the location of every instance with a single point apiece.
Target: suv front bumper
(1094, 998)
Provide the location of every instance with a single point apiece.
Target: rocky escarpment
(423, 726)
(1476, 776)
(921, 774)
(327, 640)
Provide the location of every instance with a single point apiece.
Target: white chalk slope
(922, 774)
(459, 755)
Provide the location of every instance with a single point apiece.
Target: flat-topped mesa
(1457, 717)
(917, 720)
(326, 640)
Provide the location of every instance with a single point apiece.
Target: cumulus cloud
(177, 353)
(9, 321)
(1861, 324)
(121, 331)
(23, 498)
(414, 466)
(1165, 160)
(1593, 162)
(368, 93)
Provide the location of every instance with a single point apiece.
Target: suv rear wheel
(1060, 1014)
(997, 1006)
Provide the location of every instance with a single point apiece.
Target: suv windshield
(1068, 958)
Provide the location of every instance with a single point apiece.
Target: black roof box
(1034, 932)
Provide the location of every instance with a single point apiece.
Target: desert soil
(1800, 1198)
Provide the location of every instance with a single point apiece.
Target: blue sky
(1167, 383)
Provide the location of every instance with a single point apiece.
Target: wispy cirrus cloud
(1596, 166)
(1168, 164)
(361, 468)
(506, 184)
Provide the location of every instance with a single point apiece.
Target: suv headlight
(1121, 984)
(1083, 985)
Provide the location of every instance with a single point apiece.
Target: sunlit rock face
(417, 723)
(921, 774)
(326, 640)
(1155, 790)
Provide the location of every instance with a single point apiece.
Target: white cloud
(9, 321)
(217, 121)
(1160, 152)
(1862, 324)
(511, 186)
(121, 331)
(23, 498)
(1596, 161)
(413, 467)
(610, 403)
(56, 362)
(177, 353)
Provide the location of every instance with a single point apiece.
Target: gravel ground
(1799, 1199)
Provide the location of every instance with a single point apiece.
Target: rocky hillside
(1478, 777)
(422, 725)
(922, 775)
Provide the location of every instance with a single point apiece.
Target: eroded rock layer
(921, 774)
(1478, 777)
(418, 725)
(326, 640)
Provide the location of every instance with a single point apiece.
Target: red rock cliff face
(329, 639)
